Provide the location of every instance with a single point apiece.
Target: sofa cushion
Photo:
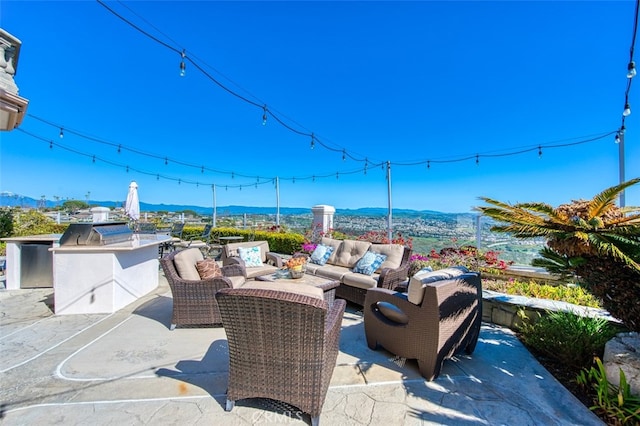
(350, 251)
(237, 281)
(321, 254)
(394, 253)
(332, 243)
(331, 271)
(369, 263)
(304, 289)
(360, 280)
(250, 256)
(185, 263)
(208, 268)
(418, 282)
(257, 271)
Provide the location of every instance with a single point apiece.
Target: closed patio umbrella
(132, 205)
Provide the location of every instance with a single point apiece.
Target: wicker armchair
(194, 301)
(445, 322)
(282, 346)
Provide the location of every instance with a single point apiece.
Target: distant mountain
(11, 200)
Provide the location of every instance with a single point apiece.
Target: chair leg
(173, 327)
(315, 421)
(229, 405)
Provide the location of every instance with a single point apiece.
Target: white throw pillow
(250, 256)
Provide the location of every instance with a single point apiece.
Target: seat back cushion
(185, 263)
(418, 282)
(350, 251)
(394, 253)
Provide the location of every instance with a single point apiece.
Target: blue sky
(404, 82)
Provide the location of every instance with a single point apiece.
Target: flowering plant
(295, 262)
(468, 256)
(382, 238)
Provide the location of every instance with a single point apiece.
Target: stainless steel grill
(96, 234)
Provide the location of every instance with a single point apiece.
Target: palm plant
(594, 240)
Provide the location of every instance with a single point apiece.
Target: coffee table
(327, 285)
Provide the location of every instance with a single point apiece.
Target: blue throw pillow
(321, 254)
(368, 264)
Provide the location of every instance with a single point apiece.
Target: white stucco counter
(29, 262)
(104, 278)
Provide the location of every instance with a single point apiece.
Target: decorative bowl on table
(296, 272)
(296, 266)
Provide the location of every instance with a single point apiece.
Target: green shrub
(570, 294)
(567, 337)
(32, 222)
(6, 222)
(615, 403)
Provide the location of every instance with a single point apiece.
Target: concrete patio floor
(129, 368)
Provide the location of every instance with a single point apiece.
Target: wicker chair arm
(375, 295)
(233, 270)
(334, 315)
(390, 278)
(275, 259)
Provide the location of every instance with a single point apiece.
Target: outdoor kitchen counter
(137, 241)
(29, 264)
(89, 279)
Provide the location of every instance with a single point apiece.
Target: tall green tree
(594, 240)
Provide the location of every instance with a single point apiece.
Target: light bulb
(61, 133)
(631, 70)
(183, 67)
(627, 110)
(617, 139)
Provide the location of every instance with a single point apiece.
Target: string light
(617, 138)
(627, 110)
(539, 152)
(119, 149)
(264, 115)
(313, 143)
(61, 133)
(428, 165)
(50, 144)
(183, 67)
(127, 169)
(93, 160)
(631, 69)
(477, 160)
(344, 155)
(166, 161)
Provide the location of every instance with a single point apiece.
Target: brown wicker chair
(446, 322)
(194, 301)
(282, 346)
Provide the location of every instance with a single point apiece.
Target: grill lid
(96, 234)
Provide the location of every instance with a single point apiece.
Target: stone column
(100, 214)
(322, 221)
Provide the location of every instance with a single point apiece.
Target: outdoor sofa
(345, 261)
